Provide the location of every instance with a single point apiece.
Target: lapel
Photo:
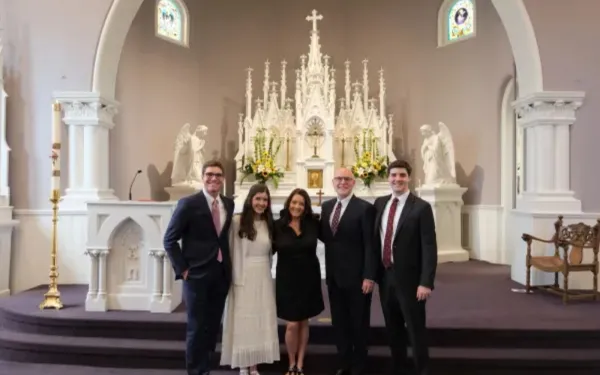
(408, 205)
(380, 212)
(228, 213)
(326, 211)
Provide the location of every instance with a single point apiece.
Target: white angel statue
(189, 158)
(437, 152)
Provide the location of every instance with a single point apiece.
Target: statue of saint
(437, 152)
(189, 158)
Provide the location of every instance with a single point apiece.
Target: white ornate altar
(313, 133)
(7, 223)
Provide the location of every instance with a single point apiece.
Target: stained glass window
(461, 20)
(171, 21)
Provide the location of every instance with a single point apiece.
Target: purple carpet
(477, 324)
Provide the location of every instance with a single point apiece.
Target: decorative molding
(548, 108)
(87, 108)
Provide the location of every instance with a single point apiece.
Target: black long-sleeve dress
(298, 273)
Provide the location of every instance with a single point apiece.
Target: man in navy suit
(406, 247)
(350, 265)
(201, 221)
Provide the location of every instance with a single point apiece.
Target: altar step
(166, 354)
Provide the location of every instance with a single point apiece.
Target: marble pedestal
(446, 202)
(178, 192)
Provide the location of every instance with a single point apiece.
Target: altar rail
(129, 269)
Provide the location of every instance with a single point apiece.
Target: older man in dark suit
(406, 247)
(201, 221)
(347, 231)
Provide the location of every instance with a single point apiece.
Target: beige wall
(162, 86)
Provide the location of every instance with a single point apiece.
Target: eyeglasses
(345, 179)
(211, 174)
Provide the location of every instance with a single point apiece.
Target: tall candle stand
(52, 296)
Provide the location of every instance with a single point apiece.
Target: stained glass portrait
(170, 20)
(461, 20)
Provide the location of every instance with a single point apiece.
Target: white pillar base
(446, 202)
(564, 202)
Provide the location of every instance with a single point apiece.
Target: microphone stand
(133, 180)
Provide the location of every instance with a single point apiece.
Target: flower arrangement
(369, 164)
(262, 164)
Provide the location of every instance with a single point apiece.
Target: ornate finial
(273, 86)
(356, 85)
(314, 18)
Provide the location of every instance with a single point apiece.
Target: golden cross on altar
(314, 18)
(320, 194)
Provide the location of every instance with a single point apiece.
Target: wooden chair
(572, 239)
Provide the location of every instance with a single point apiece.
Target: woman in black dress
(298, 275)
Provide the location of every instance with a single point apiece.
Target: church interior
(107, 117)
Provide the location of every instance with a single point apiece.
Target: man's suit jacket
(414, 246)
(349, 257)
(192, 223)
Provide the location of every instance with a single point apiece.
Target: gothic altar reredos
(303, 140)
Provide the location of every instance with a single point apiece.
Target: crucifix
(314, 18)
(320, 194)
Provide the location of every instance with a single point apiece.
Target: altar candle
(55, 155)
(56, 122)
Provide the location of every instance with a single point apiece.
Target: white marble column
(89, 118)
(96, 295)
(546, 118)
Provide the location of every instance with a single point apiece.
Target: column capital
(548, 108)
(87, 108)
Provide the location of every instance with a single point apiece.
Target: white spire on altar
(315, 135)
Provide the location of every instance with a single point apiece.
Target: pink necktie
(216, 215)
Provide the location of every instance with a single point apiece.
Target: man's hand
(367, 286)
(423, 293)
(185, 274)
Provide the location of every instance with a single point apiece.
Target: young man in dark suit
(347, 232)
(201, 221)
(406, 247)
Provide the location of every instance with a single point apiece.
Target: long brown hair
(308, 212)
(247, 228)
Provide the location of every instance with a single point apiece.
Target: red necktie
(389, 232)
(216, 215)
(336, 217)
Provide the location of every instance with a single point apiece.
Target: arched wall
(513, 15)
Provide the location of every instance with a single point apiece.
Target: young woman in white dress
(250, 324)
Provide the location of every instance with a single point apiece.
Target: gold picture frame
(314, 177)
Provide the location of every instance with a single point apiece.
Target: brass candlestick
(52, 297)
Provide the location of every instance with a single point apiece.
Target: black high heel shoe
(299, 371)
(292, 370)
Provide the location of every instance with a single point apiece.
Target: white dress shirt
(384, 219)
(222, 212)
(344, 203)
